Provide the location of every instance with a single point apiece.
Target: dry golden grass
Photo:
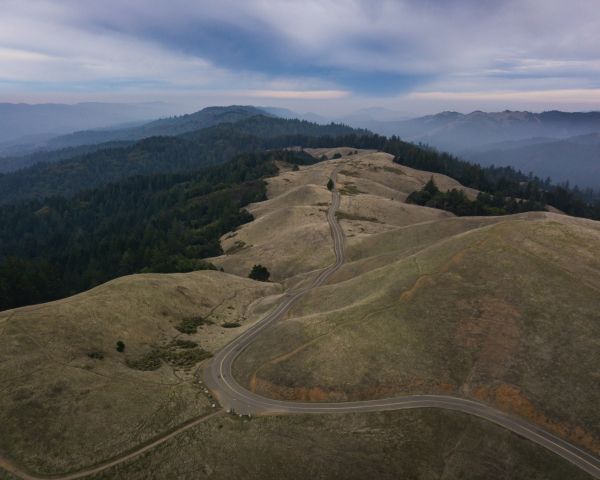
(501, 309)
(290, 234)
(409, 445)
(61, 409)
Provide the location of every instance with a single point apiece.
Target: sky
(328, 56)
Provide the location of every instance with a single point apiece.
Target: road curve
(232, 396)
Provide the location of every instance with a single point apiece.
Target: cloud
(311, 49)
(295, 94)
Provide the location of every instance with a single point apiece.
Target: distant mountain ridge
(88, 141)
(25, 124)
(574, 159)
(562, 145)
(207, 117)
(457, 131)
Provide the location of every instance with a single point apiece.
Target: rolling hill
(498, 309)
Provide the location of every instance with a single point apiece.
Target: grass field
(419, 445)
(70, 399)
(502, 310)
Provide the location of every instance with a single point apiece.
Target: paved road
(231, 395)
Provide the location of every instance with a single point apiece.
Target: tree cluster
(457, 202)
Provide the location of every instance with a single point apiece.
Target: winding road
(234, 397)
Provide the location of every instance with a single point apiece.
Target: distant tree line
(457, 202)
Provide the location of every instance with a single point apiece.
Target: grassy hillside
(501, 309)
(412, 445)
(69, 398)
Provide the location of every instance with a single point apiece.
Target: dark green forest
(158, 223)
(456, 201)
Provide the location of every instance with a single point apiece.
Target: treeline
(56, 247)
(499, 182)
(457, 202)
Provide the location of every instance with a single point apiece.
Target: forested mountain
(459, 132)
(207, 117)
(184, 153)
(17, 162)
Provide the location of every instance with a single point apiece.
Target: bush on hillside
(260, 273)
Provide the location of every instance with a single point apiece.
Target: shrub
(190, 325)
(149, 361)
(337, 155)
(186, 358)
(231, 325)
(120, 346)
(183, 344)
(154, 358)
(295, 168)
(260, 273)
(330, 184)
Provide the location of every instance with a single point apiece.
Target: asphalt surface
(234, 397)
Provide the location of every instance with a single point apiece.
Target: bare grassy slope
(60, 408)
(290, 234)
(407, 445)
(502, 309)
